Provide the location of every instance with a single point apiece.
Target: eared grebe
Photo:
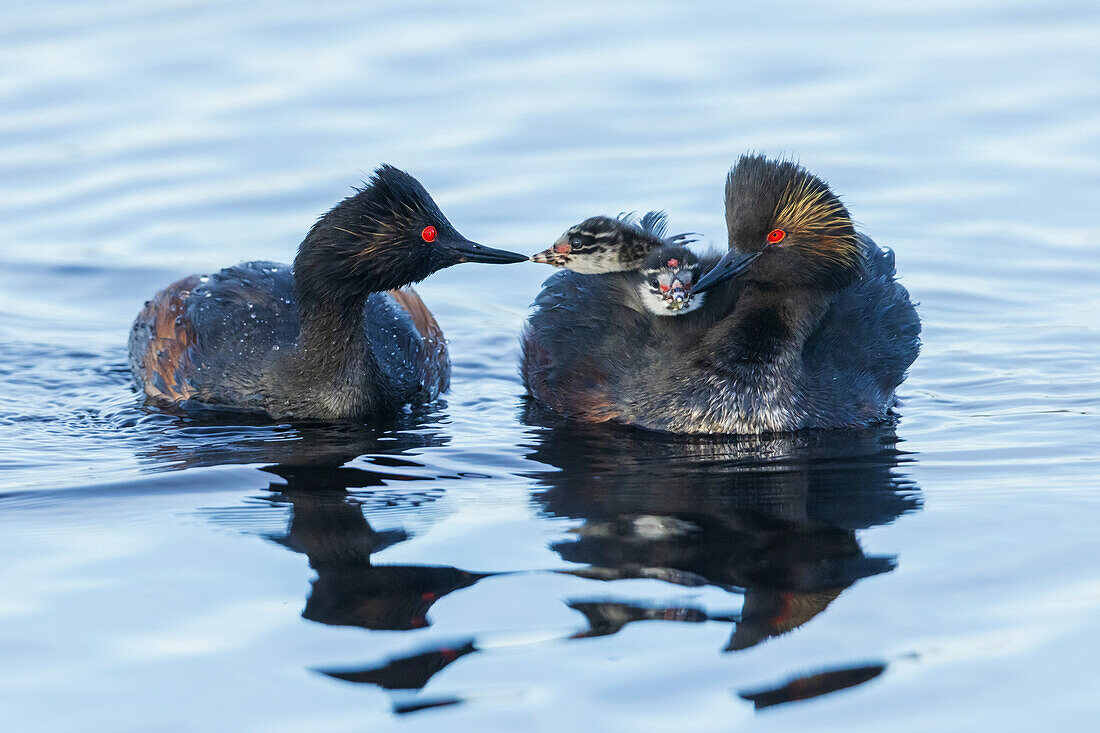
(332, 339)
(814, 332)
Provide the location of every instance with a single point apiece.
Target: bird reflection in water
(813, 685)
(327, 525)
(326, 499)
(770, 521)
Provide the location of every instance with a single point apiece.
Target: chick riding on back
(667, 277)
(804, 326)
(661, 267)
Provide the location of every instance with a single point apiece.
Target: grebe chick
(666, 278)
(331, 338)
(662, 268)
(815, 332)
(602, 244)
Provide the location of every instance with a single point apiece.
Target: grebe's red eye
(775, 236)
(563, 248)
(428, 234)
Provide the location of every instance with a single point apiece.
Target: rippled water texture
(472, 566)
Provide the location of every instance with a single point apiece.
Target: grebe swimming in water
(332, 338)
(803, 325)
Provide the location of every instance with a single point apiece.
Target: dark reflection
(772, 522)
(326, 502)
(326, 499)
(408, 673)
(328, 527)
(609, 617)
(813, 685)
(417, 706)
(178, 438)
(771, 519)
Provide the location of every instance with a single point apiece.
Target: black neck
(335, 272)
(333, 363)
(767, 326)
(332, 329)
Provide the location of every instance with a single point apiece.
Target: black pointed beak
(466, 251)
(731, 265)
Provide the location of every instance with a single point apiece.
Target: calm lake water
(470, 566)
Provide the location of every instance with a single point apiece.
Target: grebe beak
(731, 265)
(679, 295)
(467, 251)
(551, 256)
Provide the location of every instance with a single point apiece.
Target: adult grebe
(814, 333)
(331, 339)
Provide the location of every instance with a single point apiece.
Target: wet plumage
(247, 316)
(334, 337)
(810, 330)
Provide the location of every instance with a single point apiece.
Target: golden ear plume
(808, 208)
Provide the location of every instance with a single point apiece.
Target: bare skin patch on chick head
(666, 282)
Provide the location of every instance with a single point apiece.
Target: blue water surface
(471, 566)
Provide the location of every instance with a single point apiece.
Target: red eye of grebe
(562, 249)
(775, 236)
(428, 234)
